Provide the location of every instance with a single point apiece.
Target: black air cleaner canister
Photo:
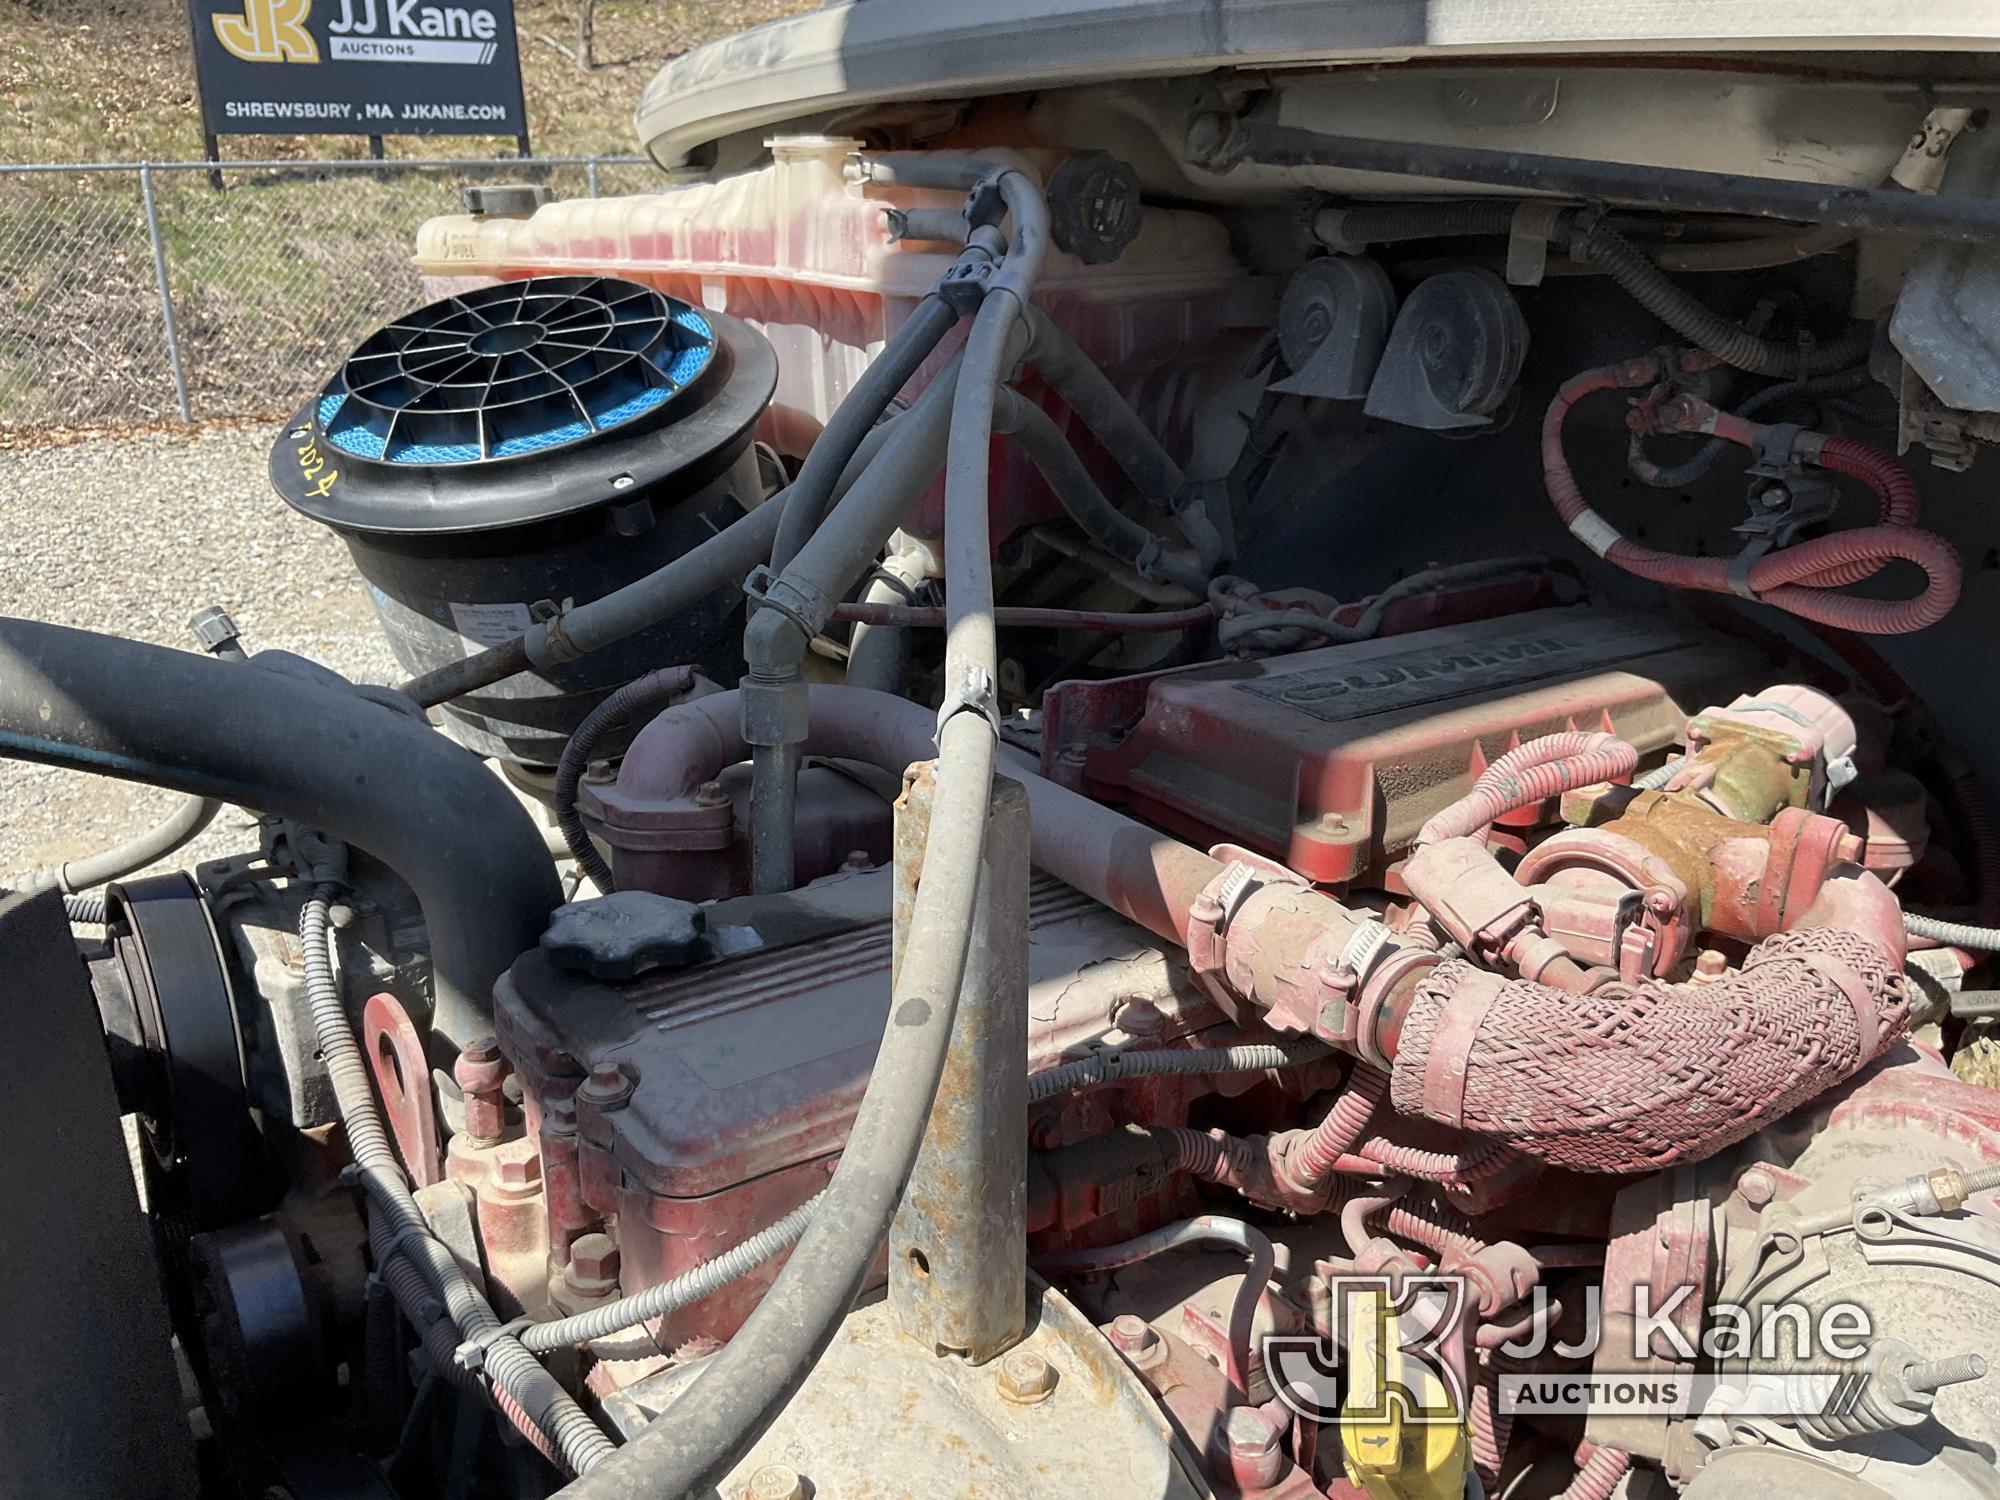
(525, 444)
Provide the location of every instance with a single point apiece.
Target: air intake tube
(330, 758)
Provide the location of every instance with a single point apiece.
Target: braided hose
(1345, 1123)
(1702, 325)
(403, 1229)
(1632, 1080)
(1599, 1476)
(1799, 580)
(1529, 774)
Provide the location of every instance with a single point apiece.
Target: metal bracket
(1528, 239)
(973, 691)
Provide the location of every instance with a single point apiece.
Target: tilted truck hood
(872, 51)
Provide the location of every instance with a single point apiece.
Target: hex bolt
(1132, 1334)
(519, 1172)
(600, 771)
(775, 1482)
(1250, 1442)
(1026, 1378)
(1935, 1374)
(1850, 848)
(1710, 964)
(1756, 1187)
(607, 1086)
(593, 1264)
(480, 1073)
(711, 794)
(1138, 1016)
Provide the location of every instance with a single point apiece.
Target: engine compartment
(1119, 792)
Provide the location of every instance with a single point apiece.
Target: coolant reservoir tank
(496, 453)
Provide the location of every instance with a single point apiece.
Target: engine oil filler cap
(624, 935)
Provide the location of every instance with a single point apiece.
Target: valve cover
(1331, 760)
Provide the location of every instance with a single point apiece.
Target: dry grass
(93, 80)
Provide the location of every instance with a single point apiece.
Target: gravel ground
(132, 536)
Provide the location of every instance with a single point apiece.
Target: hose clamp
(1450, 1056)
(806, 607)
(550, 645)
(471, 1355)
(973, 691)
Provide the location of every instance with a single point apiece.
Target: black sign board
(358, 67)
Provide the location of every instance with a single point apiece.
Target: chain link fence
(139, 294)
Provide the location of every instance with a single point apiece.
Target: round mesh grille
(522, 367)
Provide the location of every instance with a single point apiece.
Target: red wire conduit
(1799, 580)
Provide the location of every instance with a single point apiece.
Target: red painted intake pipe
(1631, 1080)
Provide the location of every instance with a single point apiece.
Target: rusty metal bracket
(395, 1054)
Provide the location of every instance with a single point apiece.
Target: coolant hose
(806, 499)
(321, 755)
(1530, 774)
(657, 689)
(1635, 1079)
(1104, 523)
(407, 1232)
(1139, 873)
(1800, 579)
(1700, 324)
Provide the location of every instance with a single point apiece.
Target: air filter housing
(501, 451)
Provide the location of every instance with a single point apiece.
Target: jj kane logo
(363, 31)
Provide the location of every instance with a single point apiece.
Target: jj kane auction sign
(358, 67)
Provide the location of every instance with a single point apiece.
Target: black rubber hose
(1693, 470)
(293, 748)
(806, 499)
(657, 689)
(1700, 324)
(1084, 503)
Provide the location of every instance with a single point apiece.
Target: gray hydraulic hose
(1701, 324)
(1088, 392)
(175, 831)
(408, 1232)
(775, 641)
(738, 1392)
(712, 1275)
(293, 748)
(805, 501)
(1952, 934)
(1084, 503)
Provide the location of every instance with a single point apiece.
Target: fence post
(590, 175)
(166, 290)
